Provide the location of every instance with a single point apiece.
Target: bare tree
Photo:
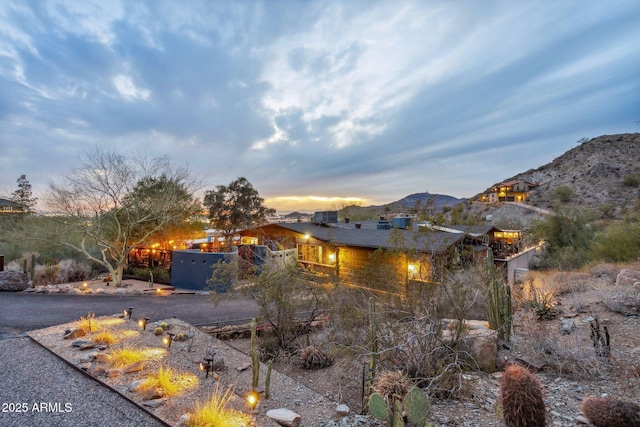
(114, 202)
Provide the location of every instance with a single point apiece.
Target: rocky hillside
(601, 173)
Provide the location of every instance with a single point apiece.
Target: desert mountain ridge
(600, 173)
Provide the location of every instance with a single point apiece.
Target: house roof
(431, 241)
(5, 202)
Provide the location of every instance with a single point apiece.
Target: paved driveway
(21, 312)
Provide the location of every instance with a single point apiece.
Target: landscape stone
(112, 373)
(154, 403)
(79, 343)
(531, 363)
(13, 281)
(284, 417)
(342, 410)
(74, 333)
(88, 346)
(95, 371)
(134, 367)
(182, 421)
(150, 394)
(134, 385)
(103, 358)
(88, 358)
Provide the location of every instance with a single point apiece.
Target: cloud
(327, 98)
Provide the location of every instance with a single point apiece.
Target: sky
(317, 103)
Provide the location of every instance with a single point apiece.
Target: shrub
(121, 357)
(167, 382)
(105, 337)
(70, 270)
(631, 180)
(610, 412)
(314, 357)
(13, 265)
(214, 412)
(391, 384)
(521, 398)
(45, 274)
(619, 242)
(562, 194)
(158, 330)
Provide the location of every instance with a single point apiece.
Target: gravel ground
(51, 393)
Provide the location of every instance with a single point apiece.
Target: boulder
(284, 417)
(342, 410)
(480, 341)
(13, 281)
(627, 277)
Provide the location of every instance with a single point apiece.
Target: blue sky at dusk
(316, 101)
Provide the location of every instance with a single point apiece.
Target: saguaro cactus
(499, 304)
(255, 360)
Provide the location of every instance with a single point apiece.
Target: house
(510, 191)
(356, 252)
(8, 206)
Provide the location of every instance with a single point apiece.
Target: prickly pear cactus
(378, 407)
(396, 418)
(416, 406)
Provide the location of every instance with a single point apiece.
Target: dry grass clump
(391, 384)
(214, 412)
(105, 337)
(125, 356)
(567, 355)
(91, 324)
(569, 282)
(167, 382)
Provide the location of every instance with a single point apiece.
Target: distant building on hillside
(510, 191)
(8, 206)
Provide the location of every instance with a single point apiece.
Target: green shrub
(562, 194)
(632, 180)
(619, 242)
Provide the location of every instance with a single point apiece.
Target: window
(310, 253)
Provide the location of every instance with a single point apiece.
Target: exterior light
(411, 268)
(332, 258)
(306, 237)
(85, 285)
(168, 339)
(252, 399)
(143, 323)
(158, 290)
(207, 365)
(127, 312)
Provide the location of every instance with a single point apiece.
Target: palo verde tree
(23, 195)
(110, 203)
(236, 206)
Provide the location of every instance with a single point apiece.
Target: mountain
(438, 200)
(602, 173)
